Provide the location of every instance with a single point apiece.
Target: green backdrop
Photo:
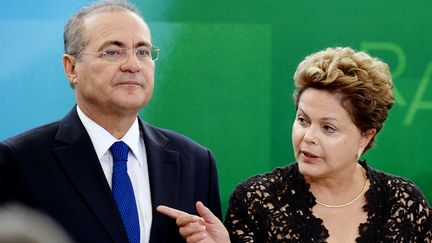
(224, 77)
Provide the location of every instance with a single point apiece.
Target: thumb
(205, 213)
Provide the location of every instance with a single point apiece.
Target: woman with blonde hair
(342, 99)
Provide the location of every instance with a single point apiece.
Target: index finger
(171, 212)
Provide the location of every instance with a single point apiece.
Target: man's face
(103, 88)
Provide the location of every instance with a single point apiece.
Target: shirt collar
(102, 139)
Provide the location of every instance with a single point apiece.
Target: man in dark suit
(66, 168)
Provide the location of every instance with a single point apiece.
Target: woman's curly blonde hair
(363, 81)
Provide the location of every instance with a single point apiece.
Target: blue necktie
(123, 191)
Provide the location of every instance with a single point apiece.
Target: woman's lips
(308, 156)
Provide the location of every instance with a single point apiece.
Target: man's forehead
(113, 25)
(115, 19)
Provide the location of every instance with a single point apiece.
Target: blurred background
(224, 77)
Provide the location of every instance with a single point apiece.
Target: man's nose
(131, 64)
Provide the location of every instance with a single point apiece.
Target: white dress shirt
(136, 166)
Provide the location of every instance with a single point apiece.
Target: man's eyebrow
(121, 44)
(143, 43)
(111, 43)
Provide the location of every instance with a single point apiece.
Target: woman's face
(325, 139)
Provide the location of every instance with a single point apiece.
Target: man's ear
(69, 64)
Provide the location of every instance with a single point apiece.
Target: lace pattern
(277, 207)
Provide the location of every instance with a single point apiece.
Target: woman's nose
(310, 135)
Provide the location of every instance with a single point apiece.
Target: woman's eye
(329, 129)
(301, 120)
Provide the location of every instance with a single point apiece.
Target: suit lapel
(164, 167)
(79, 160)
(164, 175)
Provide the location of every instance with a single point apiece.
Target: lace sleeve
(425, 224)
(422, 215)
(240, 220)
(411, 214)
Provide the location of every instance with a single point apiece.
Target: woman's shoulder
(397, 201)
(396, 186)
(400, 196)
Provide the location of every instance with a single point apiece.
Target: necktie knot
(119, 151)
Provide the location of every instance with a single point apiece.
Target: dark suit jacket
(54, 168)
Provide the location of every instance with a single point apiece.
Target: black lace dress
(277, 207)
